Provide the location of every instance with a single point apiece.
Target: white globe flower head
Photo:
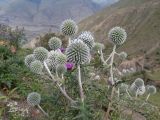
(36, 67)
(123, 55)
(139, 82)
(52, 56)
(139, 90)
(117, 36)
(61, 58)
(29, 59)
(33, 98)
(78, 52)
(40, 53)
(150, 89)
(69, 27)
(98, 46)
(55, 43)
(87, 38)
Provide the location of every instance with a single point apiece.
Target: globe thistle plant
(150, 89)
(87, 38)
(55, 43)
(40, 53)
(33, 98)
(137, 87)
(78, 52)
(117, 36)
(36, 67)
(29, 59)
(69, 27)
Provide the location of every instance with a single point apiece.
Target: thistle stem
(102, 56)
(113, 88)
(69, 41)
(58, 85)
(147, 97)
(46, 114)
(80, 84)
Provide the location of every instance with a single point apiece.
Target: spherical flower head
(55, 43)
(139, 90)
(28, 59)
(69, 27)
(36, 67)
(150, 89)
(139, 82)
(69, 66)
(52, 56)
(61, 58)
(98, 46)
(61, 69)
(87, 38)
(40, 53)
(33, 98)
(117, 35)
(123, 55)
(78, 52)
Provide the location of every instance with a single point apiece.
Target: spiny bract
(117, 35)
(55, 43)
(36, 67)
(87, 38)
(40, 53)
(29, 59)
(69, 27)
(33, 98)
(78, 52)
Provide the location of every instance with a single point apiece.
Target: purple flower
(69, 65)
(62, 50)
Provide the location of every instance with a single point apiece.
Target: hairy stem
(46, 114)
(112, 80)
(102, 56)
(58, 85)
(69, 41)
(147, 97)
(80, 84)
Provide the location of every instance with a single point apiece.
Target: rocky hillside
(140, 18)
(41, 14)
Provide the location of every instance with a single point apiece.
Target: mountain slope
(140, 18)
(38, 16)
